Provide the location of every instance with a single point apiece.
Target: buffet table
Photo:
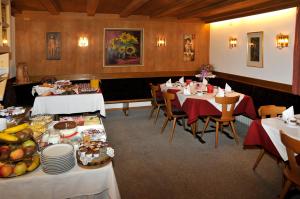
(68, 104)
(266, 133)
(77, 182)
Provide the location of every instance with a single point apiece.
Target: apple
(4, 152)
(6, 170)
(20, 168)
(28, 143)
(17, 154)
(28, 151)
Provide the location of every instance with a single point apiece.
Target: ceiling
(206, 10)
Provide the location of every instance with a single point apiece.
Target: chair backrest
(169, 97)
(227, 101)
(292, 147)
(270, 110)
(154, 89)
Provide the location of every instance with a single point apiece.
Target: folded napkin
(227, 88)
(181, 80)
(288, 113)
(220, 92)
(204, 82)
(169, 83)
(187, 90)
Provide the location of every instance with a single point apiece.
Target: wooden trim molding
(118, 75)
(256, 82)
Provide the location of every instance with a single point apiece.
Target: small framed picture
(255, 49)
(53, 45)
(188, 47)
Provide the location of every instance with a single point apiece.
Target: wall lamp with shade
(161, 41)
(232, 42)
(83, 41)
(282, 41)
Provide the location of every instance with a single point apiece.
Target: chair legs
(217, 134)
(164, 125)
(234, 132)
(205, 126)
(260, 156)
(152, 111)
(173, 129)
(285, 189)
(157, 113)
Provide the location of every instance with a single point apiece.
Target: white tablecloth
(74, 183)
(68, 104)
(273, 126)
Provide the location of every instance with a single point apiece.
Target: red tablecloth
(257, 136)
(195, 108)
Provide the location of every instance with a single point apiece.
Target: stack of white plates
(59, 158)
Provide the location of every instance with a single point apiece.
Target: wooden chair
(292, 171)
(171, 114)
(264, 112)
(226, 117)
(156, 102)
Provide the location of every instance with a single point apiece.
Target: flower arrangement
(205, 70)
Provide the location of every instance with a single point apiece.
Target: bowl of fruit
(18, 151)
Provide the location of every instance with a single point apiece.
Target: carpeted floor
(148, 167)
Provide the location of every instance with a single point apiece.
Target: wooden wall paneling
(30, 43)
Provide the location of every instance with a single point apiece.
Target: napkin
(204, 82)
(220, 92)
(288, 113)
(169, 83)
(227, 88)
(187, 90)
(181, 80)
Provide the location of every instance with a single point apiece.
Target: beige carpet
(148, 167)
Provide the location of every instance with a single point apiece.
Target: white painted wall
(278, 64)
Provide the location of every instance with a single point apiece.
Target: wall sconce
(83, 42)
(161, 42)
(232, 42)
(282, 41)
(5, 42)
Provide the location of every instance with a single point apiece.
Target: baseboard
(121, 106)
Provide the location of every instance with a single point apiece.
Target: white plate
(58, 150)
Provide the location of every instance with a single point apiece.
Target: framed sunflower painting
(123, 47)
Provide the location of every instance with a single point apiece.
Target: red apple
(6, 170)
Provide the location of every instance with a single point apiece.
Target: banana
(35, 163)
(8, 137)
(16, 128)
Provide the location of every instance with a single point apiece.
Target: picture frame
(123, 47)
(53, 45)
(255, 49)
(188, 47)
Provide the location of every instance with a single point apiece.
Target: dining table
(76, 183)
(199, 103)
(265, 133)
(69, 104)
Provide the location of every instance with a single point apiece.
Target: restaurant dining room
(149, 99)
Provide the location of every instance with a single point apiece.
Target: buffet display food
(11, 111)
(63, 87)
(21, 145)
(18, 151)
